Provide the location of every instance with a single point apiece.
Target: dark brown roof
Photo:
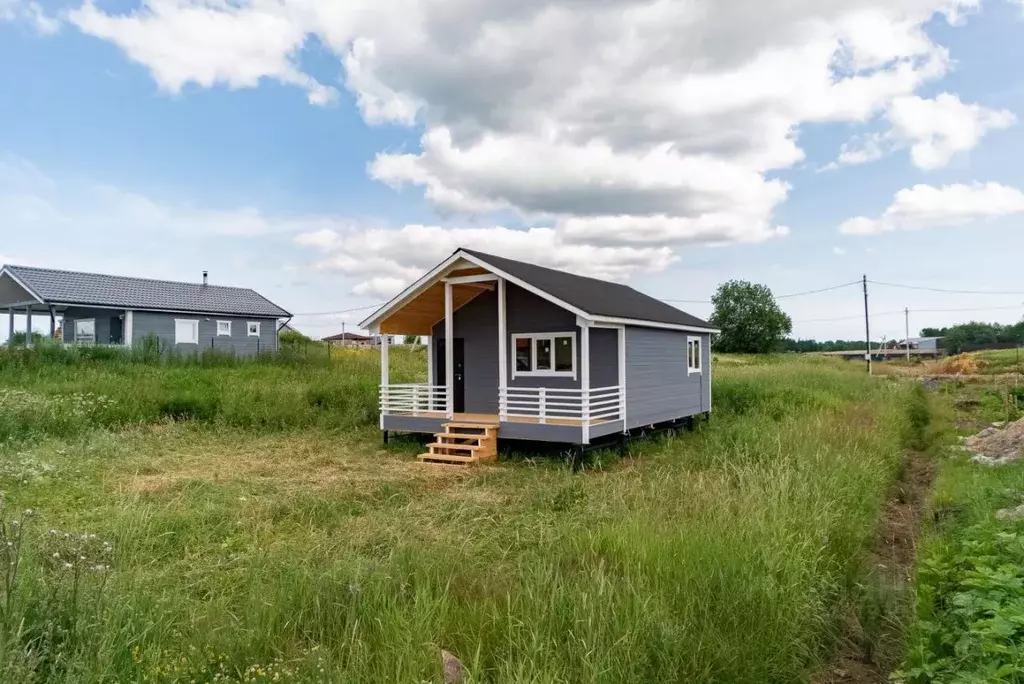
(595, 297)
(347, 337)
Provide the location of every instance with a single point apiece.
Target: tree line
(752, 322)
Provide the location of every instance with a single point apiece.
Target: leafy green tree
(749, 317)
(411, 339)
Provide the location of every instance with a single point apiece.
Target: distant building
(923, 343)
(347, 339)
(98, 309)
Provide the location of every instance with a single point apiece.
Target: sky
(328, 152)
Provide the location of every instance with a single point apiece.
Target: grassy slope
(720, 555)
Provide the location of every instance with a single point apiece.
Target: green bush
(919, 419)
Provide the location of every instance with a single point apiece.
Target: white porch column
(10, 326)
(28, 326)
(129, 327)
(502, 351)
(383, 360)
(622, 375)
(431, 380)
(585, 379)
(449, 351)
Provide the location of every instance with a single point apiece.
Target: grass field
(258, 531)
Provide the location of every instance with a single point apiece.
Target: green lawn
(272, 538)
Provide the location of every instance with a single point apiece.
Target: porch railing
(574, 406)
(411, 399)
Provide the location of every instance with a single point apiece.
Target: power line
(343, 311)
(784, 296)
(947, 291)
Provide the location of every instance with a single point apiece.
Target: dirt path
(869, 652)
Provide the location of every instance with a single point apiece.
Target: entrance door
(116, 330)
(459, 357)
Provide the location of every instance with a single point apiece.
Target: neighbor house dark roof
(347, 337)
(93, 289)
(595, 297)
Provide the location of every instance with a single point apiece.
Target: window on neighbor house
(186, 331)
(253, 328)
(693, 355)
(551, 354)
(85, 331)
(224, 328)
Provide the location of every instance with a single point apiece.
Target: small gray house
(534, 353)
(114, 310)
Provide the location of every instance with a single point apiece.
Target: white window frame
(79, 321)
(194, 322)
(222, 334)
(249, 328)
(533, 372)
(694, 353)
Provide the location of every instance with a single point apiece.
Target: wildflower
(68, 566)
(29, 512)
(52, 533)
(56, 555)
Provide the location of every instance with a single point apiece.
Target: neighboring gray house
(114, 310)
(533, 353)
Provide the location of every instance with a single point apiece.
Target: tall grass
(722, 555)
(54, 391)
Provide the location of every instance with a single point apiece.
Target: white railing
(411, 399)
(549, 404)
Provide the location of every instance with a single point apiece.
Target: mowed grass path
(724, 555)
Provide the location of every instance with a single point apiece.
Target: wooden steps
(463, 443)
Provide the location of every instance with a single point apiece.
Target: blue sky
(325, 153)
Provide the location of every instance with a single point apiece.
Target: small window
(551, 354)
(565, 359)
(693, 355)
(543, 354)
(186, 331)
(253, 328)
(524, 354)
(85, 331)
(224, 328)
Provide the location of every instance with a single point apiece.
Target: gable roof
(347, 337)
(596, 299)
(94, 289)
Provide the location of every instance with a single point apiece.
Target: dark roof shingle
(73, 287)
(595, 297)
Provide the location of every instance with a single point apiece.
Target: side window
(253, 328)
(186, 331)
(693, 355)
(224, 328)
(85, 331)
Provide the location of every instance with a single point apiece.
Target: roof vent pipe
(205, 274)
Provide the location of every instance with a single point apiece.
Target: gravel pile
(997, 444)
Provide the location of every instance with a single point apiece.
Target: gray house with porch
(100, 309)
(527, 352)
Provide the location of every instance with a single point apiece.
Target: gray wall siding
(102, 317)
(658, 385)
(477, 324)
(161, 326)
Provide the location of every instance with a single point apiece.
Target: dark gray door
(116, 330)
(459, 357)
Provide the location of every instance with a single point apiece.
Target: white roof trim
(21, 283)
(653, 324)
(438, 272)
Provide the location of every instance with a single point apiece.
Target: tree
(749, 317)
(411, 339)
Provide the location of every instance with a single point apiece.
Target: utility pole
(906, 340)
(867, 326)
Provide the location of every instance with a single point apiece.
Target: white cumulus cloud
(925, 206)
(621, 124)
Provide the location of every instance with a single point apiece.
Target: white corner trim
(609, 320)
(129, 327)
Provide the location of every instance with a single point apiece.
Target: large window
(85, 331)
(693, 355)
(186, 331)
(549, 354)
